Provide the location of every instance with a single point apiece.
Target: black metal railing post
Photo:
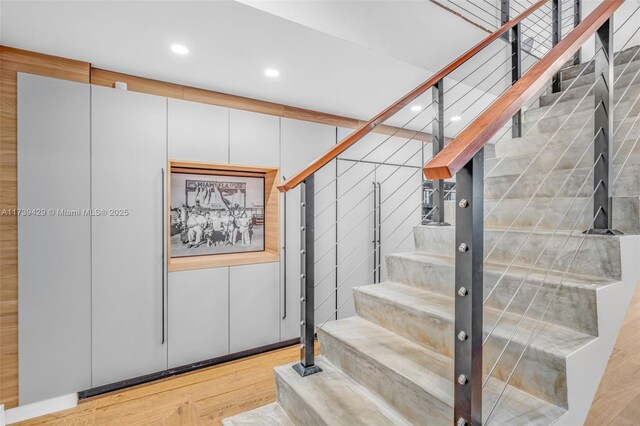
(469, 292)
(577, 18)
(603, 131)
(556, 35)
(505, 9)
(437, 145)
(307, 365)
(516, 74)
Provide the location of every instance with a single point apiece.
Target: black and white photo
(216, 214)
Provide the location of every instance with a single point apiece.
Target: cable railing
(362, 200)
(550, 255)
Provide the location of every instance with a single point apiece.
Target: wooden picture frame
(271, 252)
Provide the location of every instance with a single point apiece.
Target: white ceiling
(351, 58)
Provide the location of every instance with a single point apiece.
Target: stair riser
(629, 102)
(539, 373)
(580, 156)
(621, 58)
(440, 279)
(560, 183)
(590, 255)
(577, 122)
(409, 400)
(580, 92)
(299, 410)
(562, 215)
(629, 70)
(559, 140)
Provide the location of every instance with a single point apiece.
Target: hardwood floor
(207, 396)
(617, 401)
(204, 397)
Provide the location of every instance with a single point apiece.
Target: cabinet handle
(163, 251)
(375, 232)
(284, 257)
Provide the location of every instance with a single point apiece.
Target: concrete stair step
(561, 252)
(621, 71)
(330, 397)
(428, 319)
(620, 58)
(562, 213)
(577, 121)
(576, 93)
(267, 415)
(625, 100)
(562, 183)
(513, 286)
(558, 158)
(535, 141)
(416, 381)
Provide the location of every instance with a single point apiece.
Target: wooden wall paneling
(13, 61)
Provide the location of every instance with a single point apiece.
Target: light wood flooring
(207, 396)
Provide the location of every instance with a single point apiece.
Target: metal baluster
(469, 293)
(577, 18)
(505, 8)
(307, 365)
(375, 233)
(603, 121)
(556, 35)
(437, 145)
(516, 73)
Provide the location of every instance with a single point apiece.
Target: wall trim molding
(41, 408)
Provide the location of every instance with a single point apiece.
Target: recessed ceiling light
(456, 118)
(416, 108)
(271, 72)
(179, 49)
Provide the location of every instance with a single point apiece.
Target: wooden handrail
(370, 125)
(462, 148)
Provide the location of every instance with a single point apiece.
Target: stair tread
(432, 372)
(267, 415)
(550, 338)
(337, 398)
(571, 280)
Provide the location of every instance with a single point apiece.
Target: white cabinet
(54, 272)
(356, 189)
(254, 306)
(198, 315)
(301, 143)
(254, 139)
(129, 151)
(400, 209)
(198, 132)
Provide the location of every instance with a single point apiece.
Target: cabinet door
(254, 315)
(129, 151)
(198, 132)
(356, 190)
(254, 139)
(54, 272)
(302, 142)
(400, 209)
(198, 315)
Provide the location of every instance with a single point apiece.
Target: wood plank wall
(14, 60)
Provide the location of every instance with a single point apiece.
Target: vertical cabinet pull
(379, 248)
(284, 256)
(164, 230)
(375, 232)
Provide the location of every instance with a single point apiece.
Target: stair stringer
(586, 366)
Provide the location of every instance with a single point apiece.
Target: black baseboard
(99, 390)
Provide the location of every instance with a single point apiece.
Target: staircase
(393, 362)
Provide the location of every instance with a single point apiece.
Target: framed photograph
(216, 213)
